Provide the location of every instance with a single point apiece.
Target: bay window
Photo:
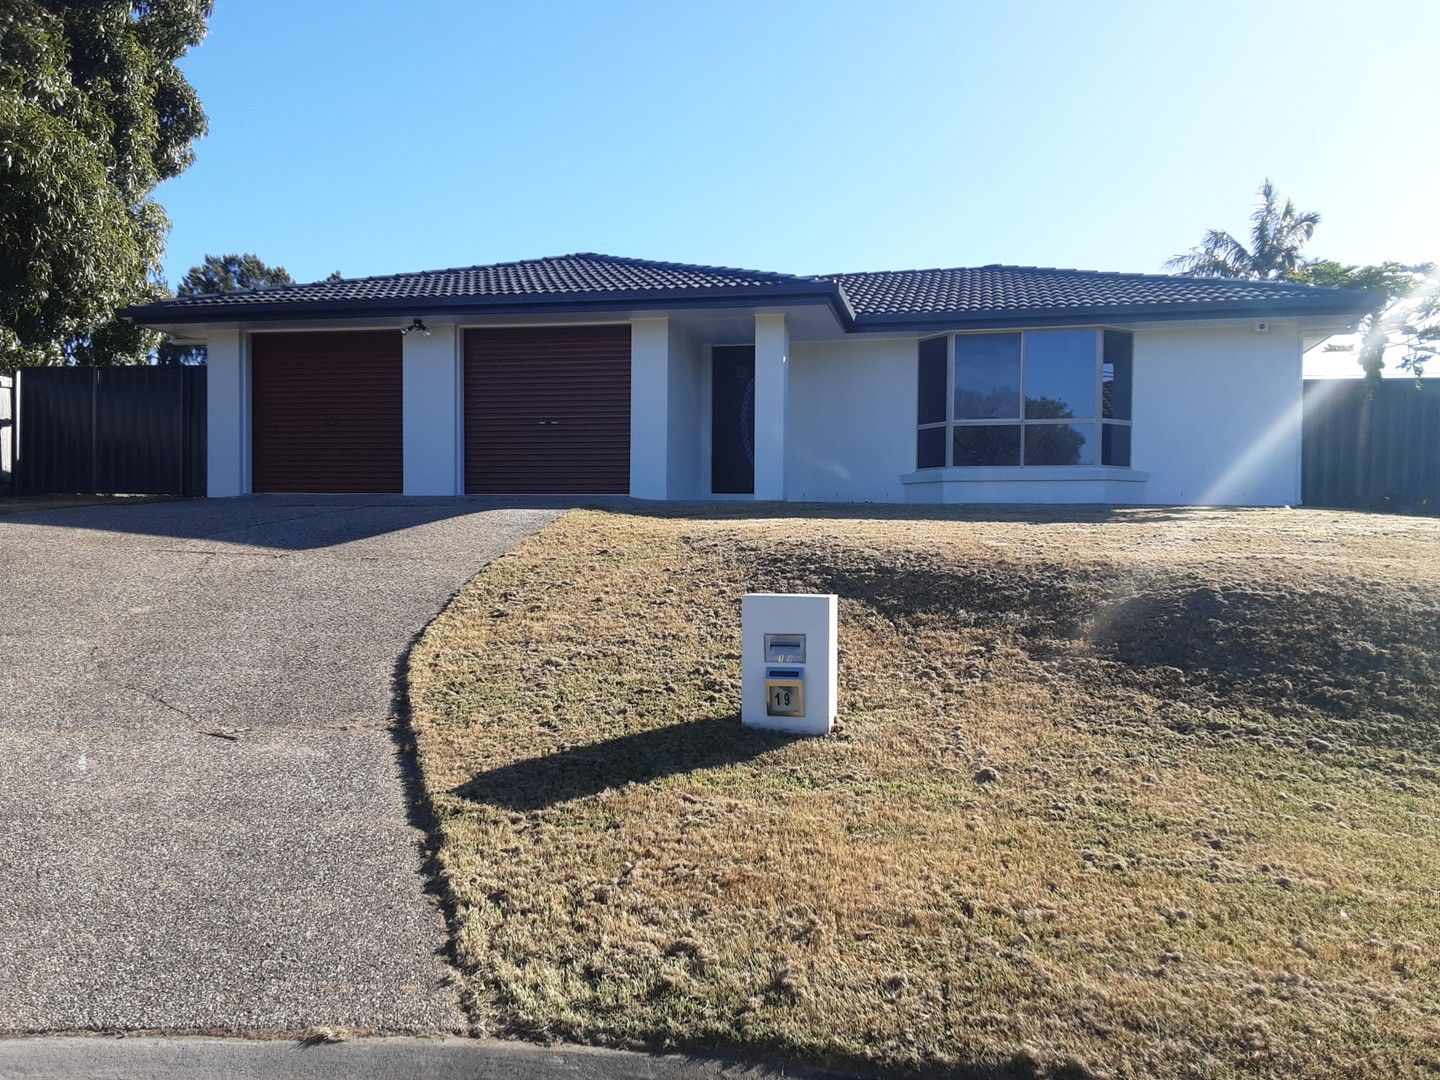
(1032, 397)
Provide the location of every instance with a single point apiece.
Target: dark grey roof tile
(997, 289)
(979, 295)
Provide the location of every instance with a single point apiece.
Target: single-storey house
(590, 374)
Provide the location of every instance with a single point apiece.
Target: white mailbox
(787, 661)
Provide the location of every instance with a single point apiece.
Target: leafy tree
(1277, 234)
(94, 114)
(220, 274)
(1409, 324)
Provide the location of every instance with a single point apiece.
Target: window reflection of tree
(1053, 444)
(1044, 408)
(986, 405)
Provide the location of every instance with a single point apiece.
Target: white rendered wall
(686, 479)
(429, 408)
(851, 420)
(772, 392)
(649, 407)
(1217, 415)
(1217, 420)
(227, 415)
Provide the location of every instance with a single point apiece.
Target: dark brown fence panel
(132, 431)
(1372, 446)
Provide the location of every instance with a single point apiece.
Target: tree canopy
(1407, 330)
(94, 114)
(220, 274)
(231, 273)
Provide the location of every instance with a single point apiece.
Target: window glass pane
(1059, 374)
(1117, 374)
(987, 376)
(1059, 444)
(932, 380)
(930, 448)
(987, 444)
(1115, 445)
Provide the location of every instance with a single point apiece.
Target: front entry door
(732, 420)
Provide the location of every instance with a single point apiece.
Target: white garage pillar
(227, 415)
(430, 387)
(649, 407)
(772, 390)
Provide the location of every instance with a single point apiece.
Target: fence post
(7, 434)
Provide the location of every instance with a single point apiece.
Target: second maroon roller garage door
(325, 412)
(547, 410)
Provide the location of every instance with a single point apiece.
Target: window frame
(1097, 421)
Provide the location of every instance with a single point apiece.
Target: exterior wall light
(416, 325)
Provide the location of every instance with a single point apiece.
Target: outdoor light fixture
(416, 325)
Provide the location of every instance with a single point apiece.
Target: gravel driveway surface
(204, 820)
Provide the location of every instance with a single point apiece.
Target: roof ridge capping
(668, 264)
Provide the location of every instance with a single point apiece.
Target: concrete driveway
(205, 823)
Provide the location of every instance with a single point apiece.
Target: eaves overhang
(176, 312)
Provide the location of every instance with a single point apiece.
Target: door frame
(707, 424)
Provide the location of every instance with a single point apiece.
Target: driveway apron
(204, 814)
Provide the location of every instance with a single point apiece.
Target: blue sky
(373, 136)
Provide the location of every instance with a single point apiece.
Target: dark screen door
(732, 420)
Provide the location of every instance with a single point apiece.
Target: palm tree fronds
(1278, 232)
(1218, 255)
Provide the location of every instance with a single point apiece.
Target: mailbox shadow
(545, 781)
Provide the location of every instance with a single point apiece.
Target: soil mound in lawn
(1350, 650)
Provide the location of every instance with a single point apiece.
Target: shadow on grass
(573, 773)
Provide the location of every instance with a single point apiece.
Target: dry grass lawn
(1137, 793)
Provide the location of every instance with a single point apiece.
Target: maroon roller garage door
(548, 410)
(325, 411)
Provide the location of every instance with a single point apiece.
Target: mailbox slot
(785, 648)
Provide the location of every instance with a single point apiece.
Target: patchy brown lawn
(1134, 793)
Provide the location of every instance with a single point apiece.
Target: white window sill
(1008, 474)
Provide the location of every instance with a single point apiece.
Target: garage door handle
(554, 423)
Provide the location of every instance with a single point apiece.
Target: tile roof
(564, 275)
(985, 295)
(996, 290)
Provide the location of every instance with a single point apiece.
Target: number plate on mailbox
(785, 697)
